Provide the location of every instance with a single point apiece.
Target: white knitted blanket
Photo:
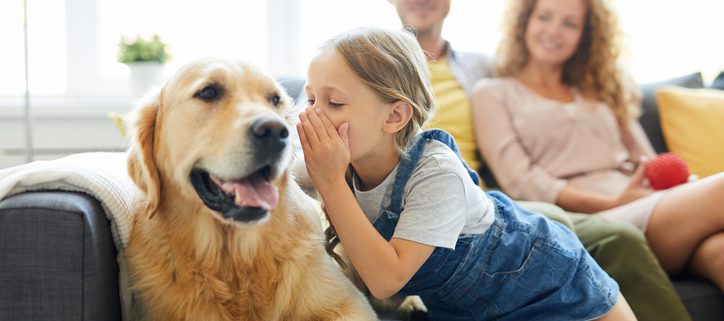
(101, 175)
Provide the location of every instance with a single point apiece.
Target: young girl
(412, 218)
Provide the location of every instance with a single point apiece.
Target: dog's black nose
(270, 128)
(270, 137)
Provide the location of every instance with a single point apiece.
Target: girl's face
(554, 30)
(340, 94)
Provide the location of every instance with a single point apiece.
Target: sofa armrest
(58, 259)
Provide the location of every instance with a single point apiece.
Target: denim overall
(524, 267)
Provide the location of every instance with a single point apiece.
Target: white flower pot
(145, 75)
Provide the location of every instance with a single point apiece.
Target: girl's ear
(398, 117)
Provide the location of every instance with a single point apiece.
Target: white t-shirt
(439, 202)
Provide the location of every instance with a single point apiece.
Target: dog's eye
(209, 93)
(275, 99)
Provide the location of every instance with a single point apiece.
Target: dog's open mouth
(243, 200)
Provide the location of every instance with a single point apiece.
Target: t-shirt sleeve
(434, 210)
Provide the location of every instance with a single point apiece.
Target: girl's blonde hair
(393, 65)
(592, 69)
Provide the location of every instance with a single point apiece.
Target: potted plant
(145, 58)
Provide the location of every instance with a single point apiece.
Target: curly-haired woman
(559, 125)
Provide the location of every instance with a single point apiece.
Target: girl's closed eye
(334, 104)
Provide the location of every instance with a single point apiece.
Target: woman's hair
(592, 69)
(393, 65)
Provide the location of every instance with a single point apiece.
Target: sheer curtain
(28, 111)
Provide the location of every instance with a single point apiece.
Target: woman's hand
(326, 148)
(636, 188)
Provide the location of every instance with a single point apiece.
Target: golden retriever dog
(226, 233)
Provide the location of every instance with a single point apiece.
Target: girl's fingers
(314, 117)
(308, 129)
(303, 138)
(344, 134)
(328, 126)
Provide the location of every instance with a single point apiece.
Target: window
(47, 54)
(12, 80)
(471, 25)
(73, 43)
(664, 39)
(230, 29)
(671, 38)
(223, 28)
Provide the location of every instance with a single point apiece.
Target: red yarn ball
(667, 170)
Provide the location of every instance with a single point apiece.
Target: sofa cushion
(718, 83)
(650, 114)
(703, 300)
(294, 87)
(691, 120)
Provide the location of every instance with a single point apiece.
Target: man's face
(423, 15)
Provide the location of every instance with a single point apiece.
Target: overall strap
(447, 139)
(409, 162)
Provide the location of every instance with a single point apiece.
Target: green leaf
(140, 49)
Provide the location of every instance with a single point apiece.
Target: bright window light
(46, 47)
(193, 29)
(670, 38)
(12, 79)
(74, 43)
(323, 19)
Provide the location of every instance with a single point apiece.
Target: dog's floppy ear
(141, 158)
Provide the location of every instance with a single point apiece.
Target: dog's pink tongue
(256, 192)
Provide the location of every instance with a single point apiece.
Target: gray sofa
(57, 259)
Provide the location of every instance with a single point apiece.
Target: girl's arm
(385, 267)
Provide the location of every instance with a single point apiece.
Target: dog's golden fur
(187, 262)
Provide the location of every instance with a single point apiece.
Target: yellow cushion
(692, 121)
